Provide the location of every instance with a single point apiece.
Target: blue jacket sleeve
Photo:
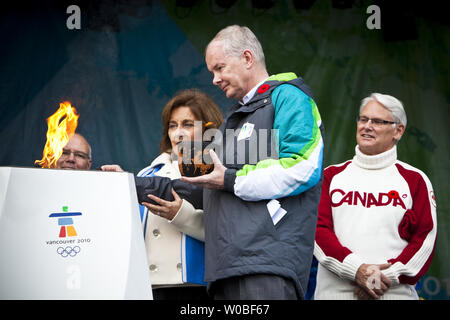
(299, 167)
(162, 188)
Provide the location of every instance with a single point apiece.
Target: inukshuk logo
(65, 220)
(68, 235)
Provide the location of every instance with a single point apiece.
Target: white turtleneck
(379, 161)
(366, 215)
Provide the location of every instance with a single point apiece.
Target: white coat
(165, 239)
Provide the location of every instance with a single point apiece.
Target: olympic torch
(58, 134)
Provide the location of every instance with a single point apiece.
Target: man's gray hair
(235, 39)
(389, 102)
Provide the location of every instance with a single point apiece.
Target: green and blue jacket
(264, 220)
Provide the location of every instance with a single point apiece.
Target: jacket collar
(164, 158)
(263, 89)
(260, 94)
(251, 93)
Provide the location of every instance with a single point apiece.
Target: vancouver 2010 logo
(69, 242)
(65, 220)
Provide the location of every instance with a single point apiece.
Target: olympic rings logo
(68, 251)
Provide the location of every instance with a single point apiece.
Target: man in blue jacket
(260, 211)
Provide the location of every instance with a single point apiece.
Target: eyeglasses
(77, 154)
(375, 122)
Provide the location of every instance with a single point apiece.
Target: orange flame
(58, 134)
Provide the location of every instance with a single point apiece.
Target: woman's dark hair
(202, 106)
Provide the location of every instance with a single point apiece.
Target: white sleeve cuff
(350, 266)
(392, 273)
(189, 221)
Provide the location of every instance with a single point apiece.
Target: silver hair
(391, 103)
(235, 39)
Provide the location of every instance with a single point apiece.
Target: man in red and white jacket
(377, 227)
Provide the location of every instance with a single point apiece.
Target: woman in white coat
(173, 230)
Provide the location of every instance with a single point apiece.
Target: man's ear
(399, 131)
(247, 55)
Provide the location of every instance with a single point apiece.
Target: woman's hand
(165, 209)
(111, 167)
